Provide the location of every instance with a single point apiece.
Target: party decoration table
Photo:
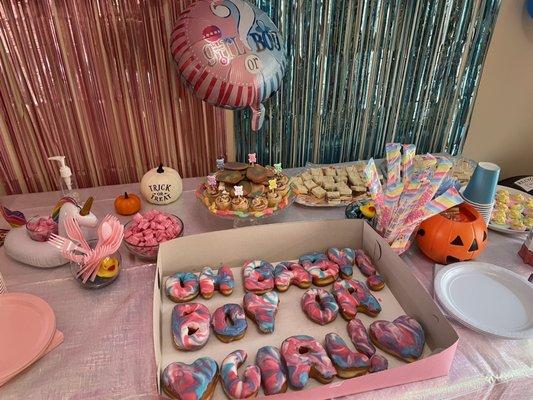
(86, 364)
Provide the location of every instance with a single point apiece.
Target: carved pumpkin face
(458, 234)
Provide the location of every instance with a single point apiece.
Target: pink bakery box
(403, 294)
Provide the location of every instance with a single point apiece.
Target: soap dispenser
(67, 181)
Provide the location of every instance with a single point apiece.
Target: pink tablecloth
(108, 353)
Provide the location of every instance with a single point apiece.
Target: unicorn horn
(87, 206)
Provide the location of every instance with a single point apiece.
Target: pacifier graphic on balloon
(230, 54)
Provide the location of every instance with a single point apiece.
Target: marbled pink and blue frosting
(344, 258)
(288, 273)
(375, 282)
(364, 263)
(359, 337)
(182, 286)
(273, 371)
(378, 363)
(190, 381)
(352, 296)
(235, 314)
(319, 305)
(190, 326)
(233, 385)
(403, 337)
(342, 357)
(319, 267)
(221, 280)
(258, 276)
(262, 308)
(301, 353)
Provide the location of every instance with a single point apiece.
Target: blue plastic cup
(482, 186)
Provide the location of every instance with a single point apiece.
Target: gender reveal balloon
(230, 54)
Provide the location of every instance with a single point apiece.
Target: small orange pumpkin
(458, 234)
(127, 204)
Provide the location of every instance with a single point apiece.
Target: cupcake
(259, 203)
(239, 204)
(273, 199)
(283, 190)
(210, 194)
(223, 201)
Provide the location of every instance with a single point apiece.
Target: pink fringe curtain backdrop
(95, 81)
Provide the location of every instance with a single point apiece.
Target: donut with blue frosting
(182, 287)
(258, 276)
(190, 326)
(288, 273)
(319, 305)
(344, 258)
(348, 363)
(229, 322)
(273, 371)
(353, 296)
(322, 270)
(196, 381)
(235, 387)
(221, 280)
(262, 309)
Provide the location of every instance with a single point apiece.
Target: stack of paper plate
(27, 332)
(487, 298)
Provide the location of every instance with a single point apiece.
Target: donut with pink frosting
(196, 381)
(262, 309)
(222, 280)
(229, 322)
(322, 270)
(403, 338)
(344, 258)
(182, 287)
(348, 363)
(359, 337)
(291, 273)
(258, 276)
(304, 358)
(375, 282)
(353, 296)
(319, 305)
(378, 363)
(233, 385)
(364, 263)
(190, 326)
(273, 371)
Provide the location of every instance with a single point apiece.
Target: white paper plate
(487, 298)
(506, 228)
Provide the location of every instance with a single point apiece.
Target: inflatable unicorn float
(21, 247)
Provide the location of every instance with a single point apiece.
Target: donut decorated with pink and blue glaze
(305, 357)
(273, 371)
(322, 270)
(319, 305)
(359, 337)
(344, 258)
(262, 309)
(258, 276)
(378, 363)
(288, 273)
(221, 280)
(182, 287)
(353, 296)
(232, 330)
(403, 338)
(375, 282)
(196, 381)
(190, 326)
(364, 263)
(348, 363)
(233, 385)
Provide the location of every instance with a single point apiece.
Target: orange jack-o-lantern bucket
(457, 234)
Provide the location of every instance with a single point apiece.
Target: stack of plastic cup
(481, 189)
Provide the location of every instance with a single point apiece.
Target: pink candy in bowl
(144, 233)
(40, 228)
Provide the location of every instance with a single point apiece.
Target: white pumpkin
(161, 185)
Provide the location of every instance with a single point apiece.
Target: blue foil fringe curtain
(362, 73)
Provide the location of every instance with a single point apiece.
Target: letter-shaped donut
(322, 270)
(196, 381)
(182, 287)
(378, 363)
(222, 281)
(348, 363)
(344, 258)
(258, 276)
(352, 296)
(290, 273)
(262, 309)
(375, 282)
(364, 263)
(319, 305)
(304, 358)
(273, 371)
(232, 384)
(190, 326)
(359, 337)
(235, 329)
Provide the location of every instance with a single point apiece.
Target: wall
(501, 128)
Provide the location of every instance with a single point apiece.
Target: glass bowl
(99, 282)
(149, 253)
(40, 235)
